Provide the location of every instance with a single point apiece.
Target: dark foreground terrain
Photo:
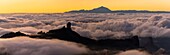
(67, 34)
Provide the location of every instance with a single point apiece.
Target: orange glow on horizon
(53, 6)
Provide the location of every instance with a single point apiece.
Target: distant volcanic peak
(102, 9)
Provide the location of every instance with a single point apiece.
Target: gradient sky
(52, 6)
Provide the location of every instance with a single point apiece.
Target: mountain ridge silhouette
(67, 34)
(103, 9)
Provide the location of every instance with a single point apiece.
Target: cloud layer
(133, 52)
(29, 46)
(91, 25)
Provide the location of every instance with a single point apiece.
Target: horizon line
(78, 10)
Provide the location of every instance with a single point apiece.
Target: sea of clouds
(91, 25)
(23, 45)
(29, 46)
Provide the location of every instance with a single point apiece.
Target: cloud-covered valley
(92, 25)
(29, 46)
(111, 25)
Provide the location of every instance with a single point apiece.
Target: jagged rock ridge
(67, 34)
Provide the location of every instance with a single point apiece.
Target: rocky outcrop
(13, 34)
(67, 34)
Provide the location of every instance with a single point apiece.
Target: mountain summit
(101, 9)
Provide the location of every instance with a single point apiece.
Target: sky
(59, 6)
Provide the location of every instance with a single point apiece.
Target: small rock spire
(69, 25)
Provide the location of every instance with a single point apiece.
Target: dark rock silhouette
(68, 25)
(101, 9)
(67, 34)
(123, 44)
(13, 34)
(148, 44)
(41, 32)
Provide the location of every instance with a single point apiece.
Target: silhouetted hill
(67, 34)
(103, 9)
(13, 34)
